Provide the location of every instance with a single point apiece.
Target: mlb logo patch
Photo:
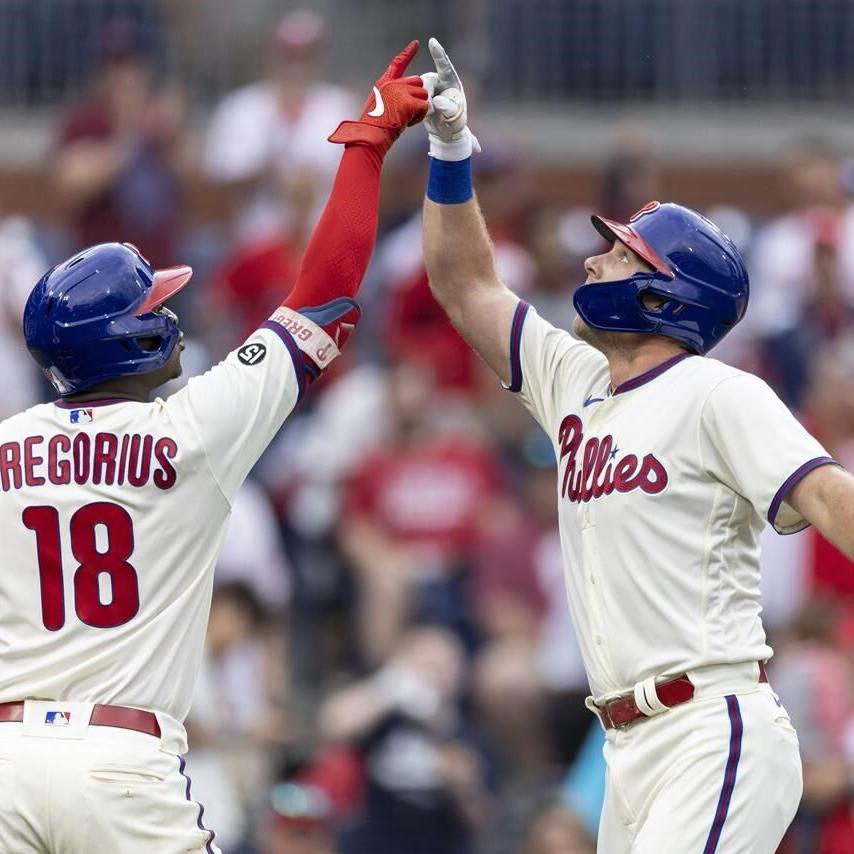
(57, 718)
(82, 416)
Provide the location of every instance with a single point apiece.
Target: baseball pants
(720, 773)
(97, 789)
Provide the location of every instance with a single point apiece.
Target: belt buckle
(609, 717)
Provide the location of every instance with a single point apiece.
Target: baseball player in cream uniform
(669, 466)
(113, 510)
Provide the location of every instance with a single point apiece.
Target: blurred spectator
(320, 450)
(236, 721)
(802, 268)
(559, 244)
(21, 266)
(252, 551)
(530, 682)
(305, 470)
(297, 820)
(426, 775)
(120, 153)
(412, 508)
(267, 141)
(631, 176)
(583, 788)
(786, 581)
(555, 830)
(559, 661)
(829, 411)
(814, 679)
(251, 281)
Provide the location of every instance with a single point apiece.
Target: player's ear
(652, 302)
(148, 344)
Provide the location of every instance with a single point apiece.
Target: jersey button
(598, 639)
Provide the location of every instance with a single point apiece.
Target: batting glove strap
(320, 331)
(459, 148)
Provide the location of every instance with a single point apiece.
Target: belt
(622, 711)
(115, 716)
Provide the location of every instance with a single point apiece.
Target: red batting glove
(395, 103)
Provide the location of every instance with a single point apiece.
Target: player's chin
(174, 368)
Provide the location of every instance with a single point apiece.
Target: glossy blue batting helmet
(697, 270)
(86, 319)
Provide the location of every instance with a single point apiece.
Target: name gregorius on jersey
(132, 459)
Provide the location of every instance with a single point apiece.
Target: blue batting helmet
(697, 269)
(84, 319)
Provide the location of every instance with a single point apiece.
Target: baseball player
(669, 465)
(113, 509)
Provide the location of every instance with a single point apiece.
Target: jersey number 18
(112, 562)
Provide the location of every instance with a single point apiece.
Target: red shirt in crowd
(428, 496)
(142, 204)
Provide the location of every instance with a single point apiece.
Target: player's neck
(629, 363)
(124, 388)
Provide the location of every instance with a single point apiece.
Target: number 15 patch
(252, 354)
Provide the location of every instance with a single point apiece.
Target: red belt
(115, 716)
(622, 711)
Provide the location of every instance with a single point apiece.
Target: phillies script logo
(648, 208)
(592, 468)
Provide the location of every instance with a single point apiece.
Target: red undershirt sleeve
(340, 247)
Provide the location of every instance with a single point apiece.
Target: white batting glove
(447, 118)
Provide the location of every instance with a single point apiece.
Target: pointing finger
(398, 65)
(447, 72)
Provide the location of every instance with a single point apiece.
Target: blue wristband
(449, 182)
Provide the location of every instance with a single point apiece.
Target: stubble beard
(607, 342)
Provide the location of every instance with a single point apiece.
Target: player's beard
(614, 343)
(604, 341)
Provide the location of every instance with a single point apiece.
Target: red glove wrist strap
(364, 134)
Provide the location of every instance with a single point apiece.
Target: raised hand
(447, 119)
(395, 103)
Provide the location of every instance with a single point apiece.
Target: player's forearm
(351, 713)
(825, 497)
(340, 248)
(839, 504)
(86, 170)
(458, 253)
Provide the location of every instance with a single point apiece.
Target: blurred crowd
(390, 664)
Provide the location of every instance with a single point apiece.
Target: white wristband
(452, 150)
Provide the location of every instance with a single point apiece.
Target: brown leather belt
(115, 716)
(622, 711)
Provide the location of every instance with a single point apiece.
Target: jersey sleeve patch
(293, 349)
(788, 485)
(516, 346)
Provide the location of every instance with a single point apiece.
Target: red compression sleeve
(340, 247)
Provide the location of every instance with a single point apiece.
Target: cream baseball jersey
(664, 486)
(112, 514)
